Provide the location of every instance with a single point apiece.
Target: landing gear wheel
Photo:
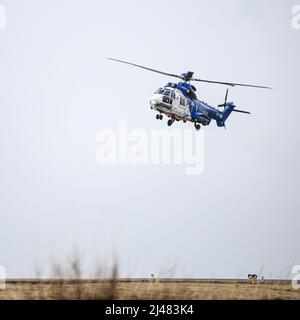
(157, 116)
(197, 126)
(170, 122)
(160, 117)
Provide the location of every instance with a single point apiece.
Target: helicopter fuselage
(179, 102)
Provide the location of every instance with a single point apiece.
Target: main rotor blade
(241, 111)
(146, 68)
(230, 83)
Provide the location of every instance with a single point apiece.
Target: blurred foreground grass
(146, 289)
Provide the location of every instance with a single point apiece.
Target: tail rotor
(225, 104)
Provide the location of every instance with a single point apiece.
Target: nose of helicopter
(155, 100)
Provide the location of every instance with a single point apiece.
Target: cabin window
(173, 95)
(159, 91)
(182, 101)
(167, 93)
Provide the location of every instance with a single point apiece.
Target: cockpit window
(159, 91)
(167, 93)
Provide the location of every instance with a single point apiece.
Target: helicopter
(179, 102)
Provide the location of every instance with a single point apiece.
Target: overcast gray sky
(57, 90)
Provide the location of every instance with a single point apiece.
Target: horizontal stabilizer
(241, 111)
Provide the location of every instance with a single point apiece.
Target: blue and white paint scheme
(179, 102)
